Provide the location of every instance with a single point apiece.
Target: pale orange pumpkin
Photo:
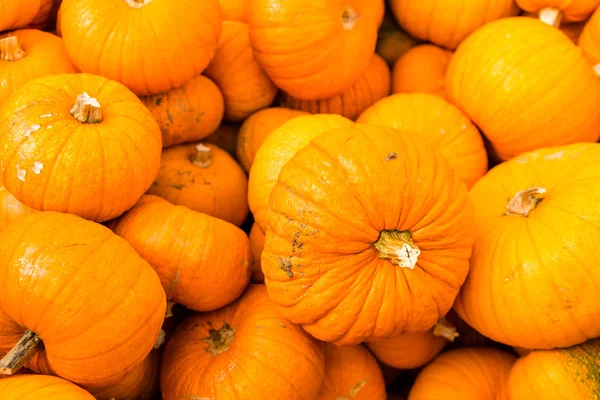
(41, 387)
(422, 69)
(257, 244)
(552, 12)
(10, 207)
(589, 40)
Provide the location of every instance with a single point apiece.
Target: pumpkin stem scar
(203, 156)
(551, 16)
(10, 49)
(21, 353)
(219, 340)
(445, 330)
(87, 109)
(137, 3)
(525, 201)
(349, 17)
(398, 247)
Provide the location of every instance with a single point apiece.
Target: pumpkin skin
(531, 101)
(517, 204)
(438, 122)
(589, 40)
(88, 295)
(235, 10)
(465, 374)
(247, 341)
(342, 34)
(42, 17)
(246, 88)
(422, 69)
(18, 13)
(392, 41)
(344, 273)
(134, 41)
(557, 10)
(277, 149)
(11, 208)
(56, 157)
(257, 244)
(225, 137)
(373, 85)
(35, 54)
(203, 262)
(36, 387)
(188, 113)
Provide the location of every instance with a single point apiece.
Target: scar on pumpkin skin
(391, 156)
(286, 266)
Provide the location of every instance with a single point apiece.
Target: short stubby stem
(203, 156)
(21, 353)
(398, 247)
(137, 3)
(87, 109)
(525, 201)
(10, 49)
(349, 17)
(445, 330)
(551, 16)
(220, 339)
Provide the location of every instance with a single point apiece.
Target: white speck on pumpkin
(49, 126)
(21, 174)
(46, 115)
(21, 155)
(37, 167)
(32, 128)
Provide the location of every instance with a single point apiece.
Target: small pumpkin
(589, 40)
(392, 41)
(373, 85)
(18, 13)
(187, 113)
(552, 12)
(36, 387)
(249, 342)
(10, 207)
(257, 244)
(318, 50)
(438, 122)
(235, 10)
(544, 92)
(140, 43)
(422, 69)
(203, 178)
(369, 235)
(225, 137)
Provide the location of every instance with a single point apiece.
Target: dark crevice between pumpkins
(27, 347)
(398, 247)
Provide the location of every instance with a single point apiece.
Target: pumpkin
(140, 43)
(246, 88)
(422, 69)
(257, 244)
(438, 122)
(76, 298)
(544, 92)
(256, 128)
(251, 344)
(465, 374)
(535, 233)
(18, 13)
(552, 12)
(589, 40)
(225, 137)
(10, 208)
(317, 50)
(203, 178)
(235, 10)
(36, 387)
(571, 373)
(373, 85)
(392, 41)
(521, 351)
(571, 29)
(369, 235)
(73, 142)
(351, 372)
(183, 248)
(277, 149)
(27, 54)
(188, 113)
(448, 23)
(42, 17)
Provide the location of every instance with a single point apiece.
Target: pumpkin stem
(10, 49)
(87, 109)
(551, 16)
(398, 247)
(203, 156)
(349, 17)
(525, 201)
(21, 353)
(169, 312)
(445, 330)
(137, 3)
(219, 340)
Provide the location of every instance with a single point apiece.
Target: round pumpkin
(235, 10)
(36, 387)
(465, 374)
(11, 208)
(225, 137)
(373, 85)
(249, 342)
(552, 12)
(203, 262)
(535, 233)
(422, 69)
(28, 54)
(150, 46)
(74, 142)
(317, 50)
(526, 86)
(257, 244)
(187, 113)
(369, 235)
(18, 13)
(76, 298)
(392, 41)
(589, 40)
(437, 122)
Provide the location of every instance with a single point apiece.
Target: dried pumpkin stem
(219, 340)
(160, 339)
(10, 49)
(203, 156)
(349, 17)
(398, 247)
(21, 353)
(525, 201)
(137, 3)
(551, 16)
(169, 312)
(444, 329)
(87, 109)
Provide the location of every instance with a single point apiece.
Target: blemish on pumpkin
(37, 167)
(170, 117)
(259, 327)
(46, 115)
(49, 126)
(356, 388)
(391, 156)
(21, 173)
(158, 101)
(281, 324)
(177, 186)
(286, 266)
(219, 340)
(349, 17)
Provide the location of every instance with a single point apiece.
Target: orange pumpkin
(188, 113)
(317, 50)
(392, 41)
(277, 149)
(536, 217)
(140, 43)
(36, 387)
(369, 235)
(10, 208)
(183, 248)
(246, 88)
(373, 85)
(422, 69)
(544, 92)
(589, 40)
(73, 142)
(27, 54)
(251, 344)
(552, 12)
(18, 13)
(465, 374)
(42, 17)
(438, 122)
(76, 298)
(257, 244)
(351, 372)
(225, 137)
(448, 23)
(235, 10)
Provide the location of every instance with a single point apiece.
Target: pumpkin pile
(299, 200)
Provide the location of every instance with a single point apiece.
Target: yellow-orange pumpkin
(20, 13)
(41, 387)
(11, 208)
(589, 40)
(552, 12)
(257, 244)
(235, 10)
(422, 69)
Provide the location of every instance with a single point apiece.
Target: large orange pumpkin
(438, 122)
(19, 13)
(257, 244)
(589, 40)
(10, 208)
(552, 12)
(248, 348)
(235, 10)
(41, 387)
(369, 235)
(532, 282)
(314, 50)
(78, 143)
(150, 46)
(76, 298)
(422, 69)
(526, 85)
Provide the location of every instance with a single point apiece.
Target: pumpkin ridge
(525, 201)
(219, 340)
(10, 49)
(398, 247)
(23, 351)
